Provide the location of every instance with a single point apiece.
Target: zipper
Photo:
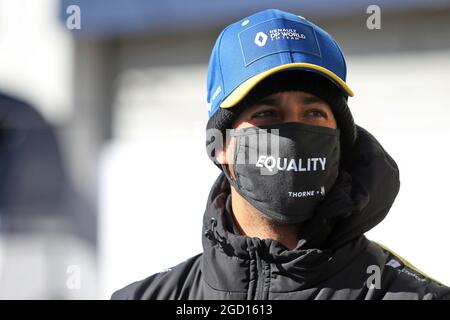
(260, 264)
(259, 292)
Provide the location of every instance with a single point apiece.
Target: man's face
(281, 107)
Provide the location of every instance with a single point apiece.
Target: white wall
(404, 100)
(36, 56)
(155, 177)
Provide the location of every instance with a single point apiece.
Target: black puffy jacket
(333, 259)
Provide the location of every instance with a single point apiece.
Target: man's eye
(264, 114)
(317, 113)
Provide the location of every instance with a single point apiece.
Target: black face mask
(285, 174)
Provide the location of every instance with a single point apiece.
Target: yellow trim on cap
(244, 88)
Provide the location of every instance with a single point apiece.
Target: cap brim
(244, 88)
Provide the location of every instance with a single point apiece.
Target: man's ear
(221, 153)
(221, 157)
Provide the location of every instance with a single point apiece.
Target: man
(301, 183)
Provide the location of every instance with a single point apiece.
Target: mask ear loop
(226, 169)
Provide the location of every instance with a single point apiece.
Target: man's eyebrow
(267, 101)
(271, 101)
(310, 99)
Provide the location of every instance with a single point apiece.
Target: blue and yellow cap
(248, 51)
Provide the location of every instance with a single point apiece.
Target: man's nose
(292, 113)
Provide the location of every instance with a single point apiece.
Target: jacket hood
(361, 197)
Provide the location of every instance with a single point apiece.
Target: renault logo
(261, 39)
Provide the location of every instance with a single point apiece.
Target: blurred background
(103, 171)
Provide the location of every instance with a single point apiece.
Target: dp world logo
(261, 39)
